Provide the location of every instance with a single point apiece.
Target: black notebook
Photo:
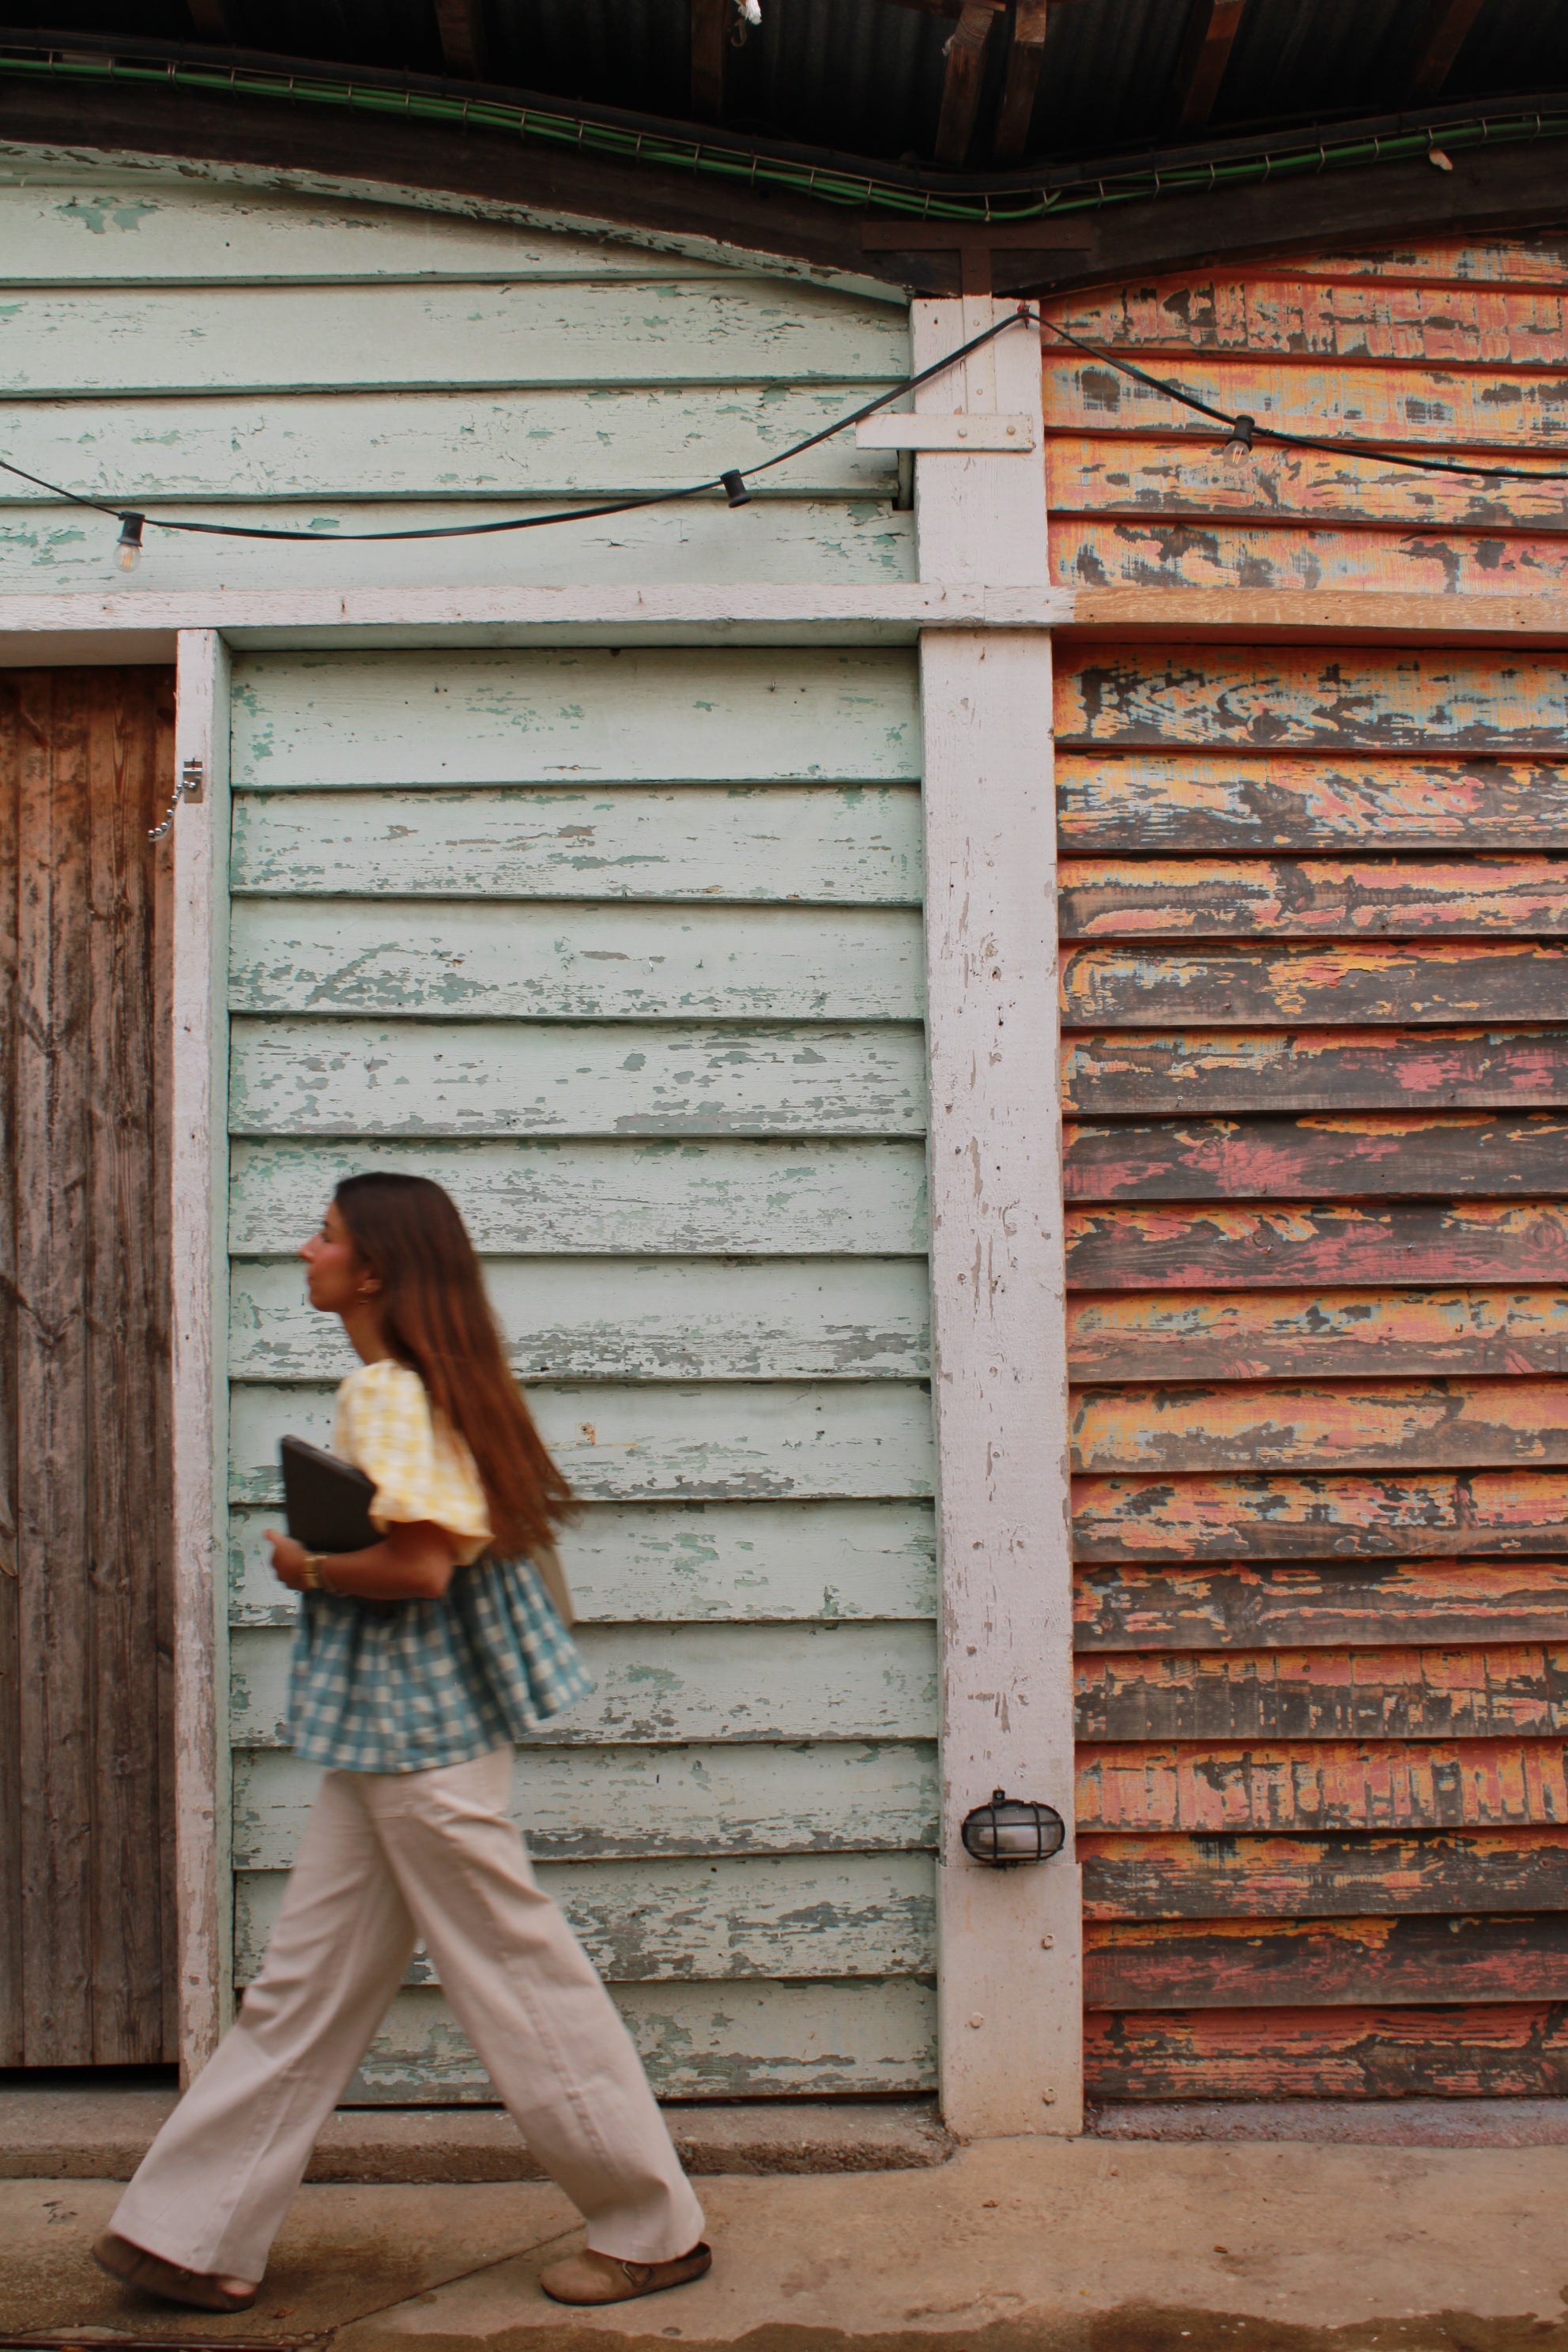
(327, 1501)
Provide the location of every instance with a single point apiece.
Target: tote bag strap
(546, 1562)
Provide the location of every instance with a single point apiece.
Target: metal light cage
(1011, 1830)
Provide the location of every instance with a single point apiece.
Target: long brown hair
(436, 1318)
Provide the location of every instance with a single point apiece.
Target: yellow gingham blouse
(421, 1467)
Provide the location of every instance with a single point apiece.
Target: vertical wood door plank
(126, 1334)
(1009, 1988)
(11, 2040)
(53, 1533)
(199, 1318)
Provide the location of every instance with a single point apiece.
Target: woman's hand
(288, 1560)
(412, 1563)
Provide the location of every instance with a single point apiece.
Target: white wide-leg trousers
(388, 1857)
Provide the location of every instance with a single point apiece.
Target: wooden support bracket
(1441, 38)
(461, 25)
(709, 20)
(1003, 436)
(1026, 54)
(965, 79)
(1206, 45)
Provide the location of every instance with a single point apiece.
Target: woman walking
(417, 1662)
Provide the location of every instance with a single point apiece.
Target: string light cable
(1245, 429)
(732, 481)
(1241, 428)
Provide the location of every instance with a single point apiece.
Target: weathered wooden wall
(1316, 1070)
(625, 949)
(246, 356)
(85, 1756)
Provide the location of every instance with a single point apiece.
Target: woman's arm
(412, 1561)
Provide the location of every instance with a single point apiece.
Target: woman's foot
(153, 2275)
(604, 2278)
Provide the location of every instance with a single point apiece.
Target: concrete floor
(1015, 2246)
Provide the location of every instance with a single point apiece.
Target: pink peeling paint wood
(1273, 1605)
(1280, 1245)
(1151, 985)
(1325, 898)
(1142, 476)
(1186, 553)
(1324, 1158)
(1272, 1515)
(1387, 328)
(1322, 1785)
(1281, 1335)
(1164, 803)
(1233, 1071)
(1279, 699)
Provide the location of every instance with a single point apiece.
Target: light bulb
(130, 540)
(1241, 433)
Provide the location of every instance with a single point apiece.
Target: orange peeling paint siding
(1314, 904)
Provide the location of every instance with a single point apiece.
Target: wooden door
(86, 1764)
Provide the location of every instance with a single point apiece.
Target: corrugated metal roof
(865, 77)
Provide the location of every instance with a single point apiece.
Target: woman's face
(335, 1273)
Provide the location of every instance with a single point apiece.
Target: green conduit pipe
(826, 184)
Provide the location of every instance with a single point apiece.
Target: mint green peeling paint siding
(262, 357)
(682, 1102)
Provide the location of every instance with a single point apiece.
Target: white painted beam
(197, 849)
(1010, 1999)
(1012, 436)
(143, 627)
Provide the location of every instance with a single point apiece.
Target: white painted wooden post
(198, 1171)
(1010, 2001)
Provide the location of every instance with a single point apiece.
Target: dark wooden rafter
(212, 21)
(710, 26)
(961, 90)
(1441, 37)
(1026, 54)
(1206, 45)
(461, 25)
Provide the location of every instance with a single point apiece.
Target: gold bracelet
(314, 1573)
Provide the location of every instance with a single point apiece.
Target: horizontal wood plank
(1510, 2051)
(586, 715)
(1481, 1692)
(635, 1318)
(1161, 480)
(1278, 1244)
(595, 1803)
(739, 1441)
(242, 339)
(1307, 1605)
(1261, 1517)
(1155, 987)
(1298, 1334)
(1246, 557)
(847, 845)
(1351, 1875)
(1229, 1070)
(1340, 1963)
(1317, 1158)
(354, 1077)
(687, 1563)
(1532, 259)
(696, 2042)
(71, 231)
(1216, 1789)
(1414, 406)
(352, 446)
(1330, 1424)
(1319, 898)
(1292, 316)
(1159, 804)
(690, 546)
(498, 960)
(799, 1916)
(662, 1683)
(697, 1197)
(1283, 698)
